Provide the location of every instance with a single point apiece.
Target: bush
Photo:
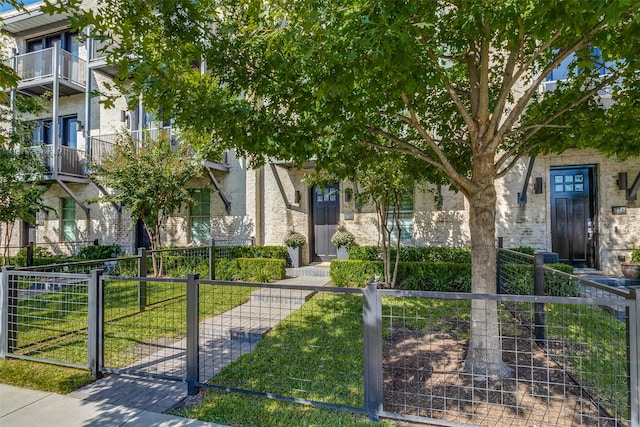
(519, 280)
(295, 239)
(343, 238)
(459, 255)
(231, 252)
(98, 252)
(411, 275)
(449, 276)
(41, 256)
(250, 269)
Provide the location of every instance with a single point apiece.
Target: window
(69, 232)
(200, 214)
(67, 131)
(406, 219)
(42, 132)
(68, 41)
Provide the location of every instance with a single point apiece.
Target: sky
(4, 6)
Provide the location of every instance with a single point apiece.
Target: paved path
(223, 339)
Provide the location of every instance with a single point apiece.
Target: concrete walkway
(135, 400)
(30, 408)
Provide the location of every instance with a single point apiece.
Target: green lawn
(316, 354)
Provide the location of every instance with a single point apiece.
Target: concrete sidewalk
(30, 408)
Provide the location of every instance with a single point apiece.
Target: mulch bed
(424, 376)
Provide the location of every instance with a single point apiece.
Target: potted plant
(294, 241)
(343, 240)
(630, 269)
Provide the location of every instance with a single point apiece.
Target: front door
(573, 215)
(142, 238)
(326, 211)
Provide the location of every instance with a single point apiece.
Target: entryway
(573, 215)
(326, 211)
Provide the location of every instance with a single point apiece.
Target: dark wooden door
(142, 238)
(573, 215)
(326, 210)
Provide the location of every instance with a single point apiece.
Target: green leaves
(148, 178)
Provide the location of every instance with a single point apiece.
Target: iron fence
(387, 353)
(45, 317)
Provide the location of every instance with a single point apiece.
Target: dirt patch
(424, 376)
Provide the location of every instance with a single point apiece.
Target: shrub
(295, 239)
(343, 238)
(519, 280)
(41, 256)
(460, 255)
(411, 275)
(524, 250)
(250, 269)
(231, 252)
(98, 252)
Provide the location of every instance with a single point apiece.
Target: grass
(53, 325)
(242, 410)
(42, 376)
(327, 330)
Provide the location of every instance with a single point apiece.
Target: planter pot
(342, 253)
(294, 256)
(630, 270)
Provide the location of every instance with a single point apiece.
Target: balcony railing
(38, 65)
(62, 160)
(101, 146)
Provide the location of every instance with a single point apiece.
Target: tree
(454, 84)
(386, 180)
(21, 189)
(148, 178)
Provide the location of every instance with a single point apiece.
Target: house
(580, 204)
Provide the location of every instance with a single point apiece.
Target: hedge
(231, 252)
(251, 269)
(518, 280)
(449, 277)
(459, 255)
(444, 276)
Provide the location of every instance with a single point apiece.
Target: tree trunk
(485, 347)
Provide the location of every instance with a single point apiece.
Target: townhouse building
(580, 204)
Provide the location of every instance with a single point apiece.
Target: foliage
(41, 256)
(453, 87)
(251, 269)
(450, 276)
(21, 189)
(230, 252)
(98, 252)
(343, 237)
(519, 280)
(415, 253)
(148, 178)
(635, 255)
(295, 239)
(524, 249)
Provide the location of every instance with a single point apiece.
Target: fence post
(538, 289)
(499, 284)
(633, 363)
(30, 254)
(5, 306)
(193, 334)
(96, 325)
(372, 316)
(212, 260)
(142, 284)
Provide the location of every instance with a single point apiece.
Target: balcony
(39, 70)
(62, 161)
(98, 58)
(102, 146)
